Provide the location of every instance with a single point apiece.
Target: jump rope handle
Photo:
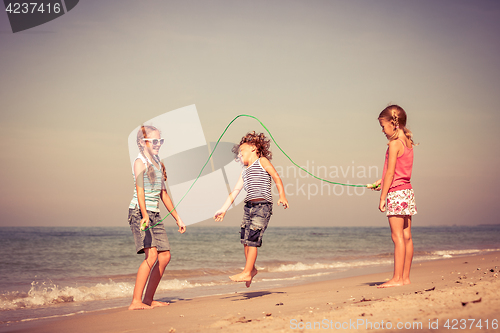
(373, 186)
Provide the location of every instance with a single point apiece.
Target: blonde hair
(397, 116)
(143, 133)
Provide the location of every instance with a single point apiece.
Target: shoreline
(438, 291)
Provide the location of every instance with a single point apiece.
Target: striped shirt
(257, 182)
(151, 190)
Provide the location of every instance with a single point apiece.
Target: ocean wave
(380, 259)
(48, 293)
(299, 266)
(451, 253)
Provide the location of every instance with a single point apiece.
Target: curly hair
(259, 141)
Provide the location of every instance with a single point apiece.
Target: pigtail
(163, 170)
(151, 173)
(409, 135)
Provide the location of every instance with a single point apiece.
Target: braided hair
(397, 116)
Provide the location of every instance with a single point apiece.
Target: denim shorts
(154, 237)
(255, 219)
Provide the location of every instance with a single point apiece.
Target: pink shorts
(401, 202)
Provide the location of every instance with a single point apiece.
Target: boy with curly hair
(254, 152)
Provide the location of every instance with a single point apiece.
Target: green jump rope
(372, 186)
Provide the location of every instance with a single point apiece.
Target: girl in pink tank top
(397, 198)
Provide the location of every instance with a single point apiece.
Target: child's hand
(284, 202)
(144, 222)
(375, 186)
(381, 206)
(182, 226)
(219, 215)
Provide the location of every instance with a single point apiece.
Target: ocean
(60, 271)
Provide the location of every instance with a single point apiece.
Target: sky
(316, 73)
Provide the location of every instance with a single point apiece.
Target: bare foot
(242, 277)
(139, 306)
(154, 304)
(254, 272)
(406, 281)
(390, 283)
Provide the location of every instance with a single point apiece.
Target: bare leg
(142, 279)
(155, 277)
(249, 271)
(254, 270)
(409, 250)
(397, 226)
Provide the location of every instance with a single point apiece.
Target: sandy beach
(461, 293)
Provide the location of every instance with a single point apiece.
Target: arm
(277, 180)
(170, 207)
(219, 215)
(394, 148)
(139, 169)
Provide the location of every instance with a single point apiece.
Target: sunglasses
(155, 142)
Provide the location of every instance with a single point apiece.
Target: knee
(164, 257)
(151, 256)
(398, 238)
(407, 238)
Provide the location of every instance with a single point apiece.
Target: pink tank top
(402, 172)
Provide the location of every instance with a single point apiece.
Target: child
(144, 211)
(253, 151)
(397, 196)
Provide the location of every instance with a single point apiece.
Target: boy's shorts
(401, 202)
(154, 237)
(255, 219)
